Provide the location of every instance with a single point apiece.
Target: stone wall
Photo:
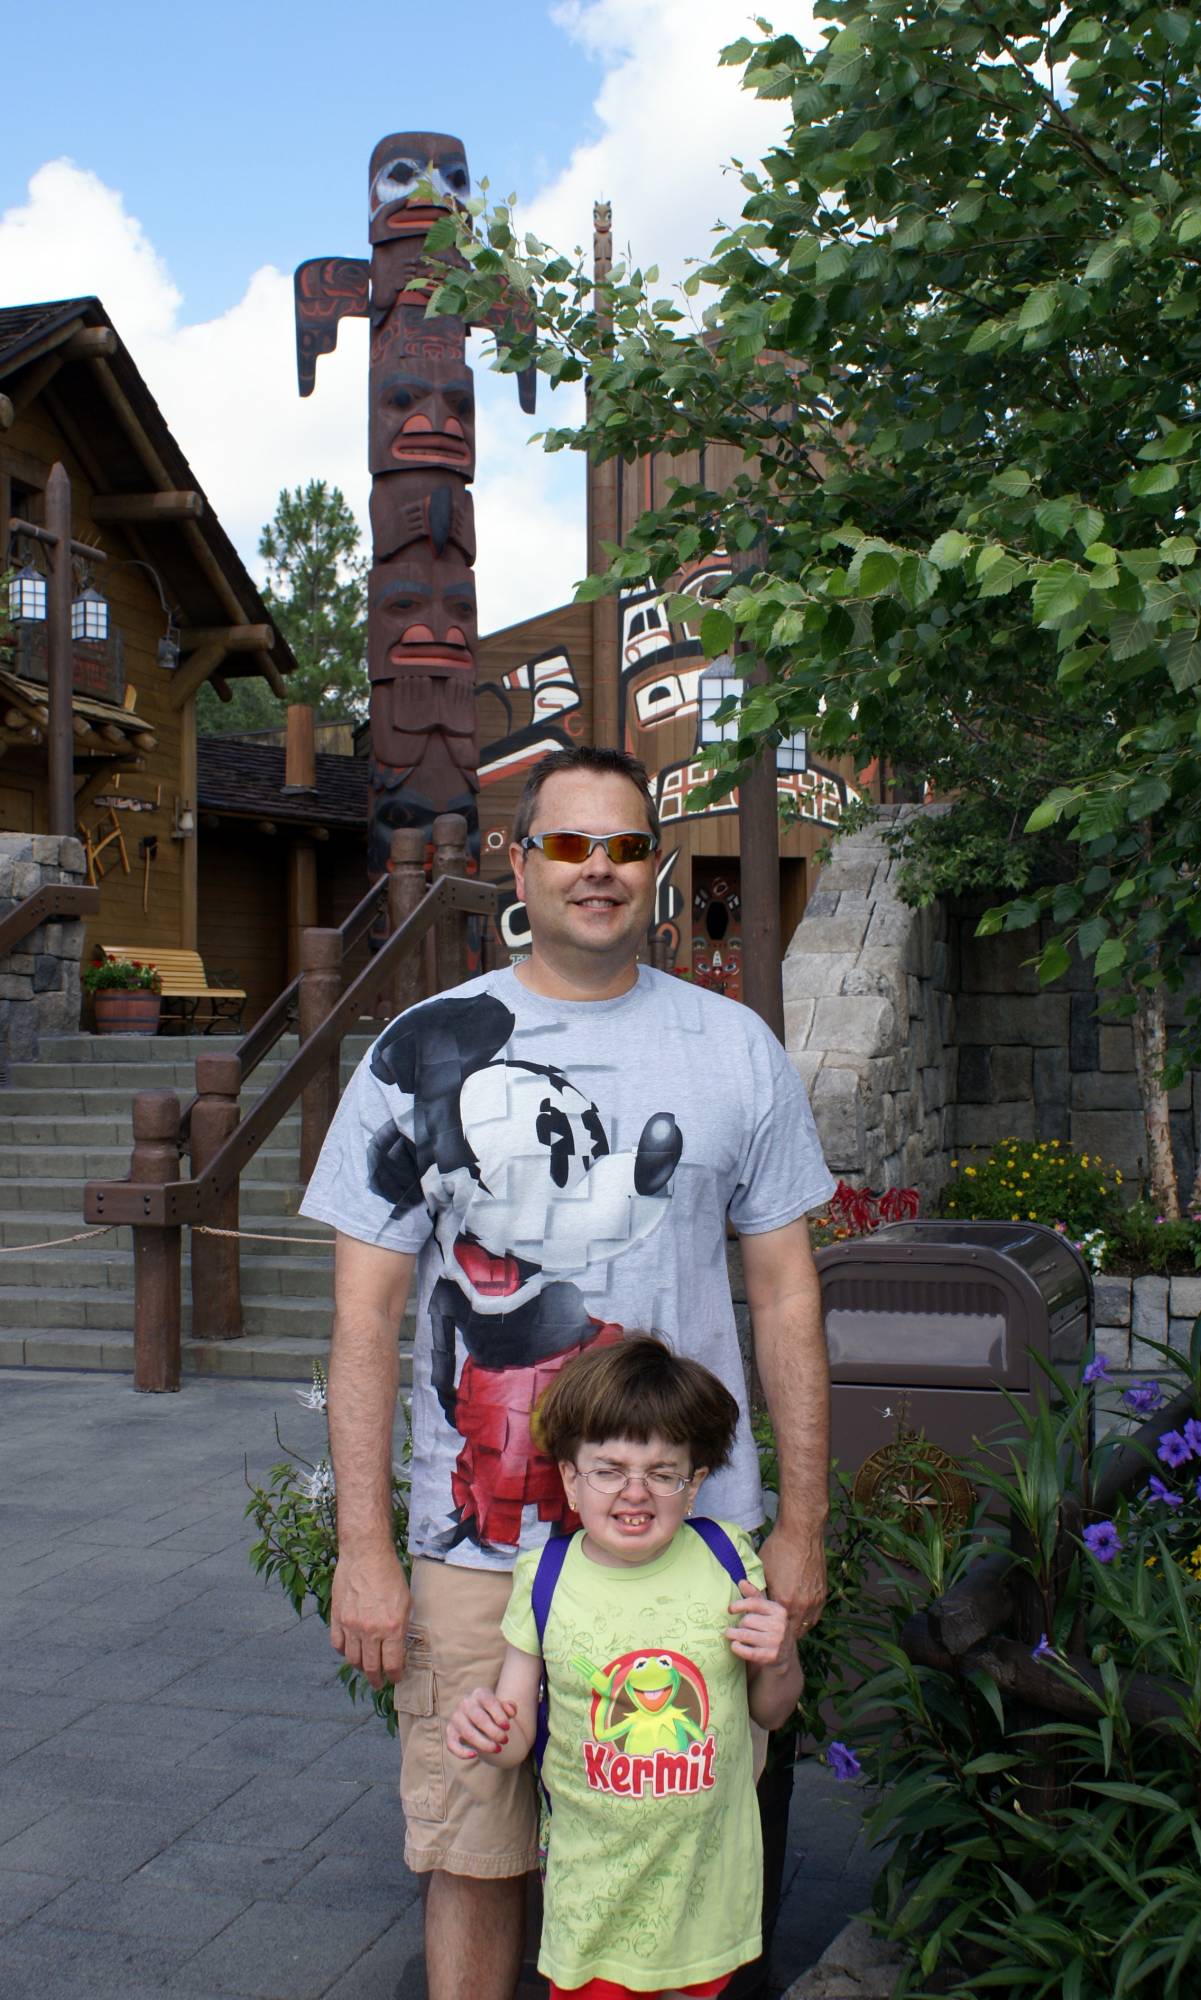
(869, 1020)
(1044, 1062)
(918, 1040)
(39, 981)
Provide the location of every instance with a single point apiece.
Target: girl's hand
(762, 1637)
(480, 1725)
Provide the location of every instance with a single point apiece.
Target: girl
(651, 1675)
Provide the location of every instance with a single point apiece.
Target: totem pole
(421, 614)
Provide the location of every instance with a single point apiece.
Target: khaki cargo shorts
(466, 1818)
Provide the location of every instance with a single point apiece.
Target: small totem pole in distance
(421, 612)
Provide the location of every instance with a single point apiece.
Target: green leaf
(1147, 795)
(1176, 444)
(1182, 656)
(1084, 32)
(1105, 256)
(1157, 479)
(877, 572)
(1039, 307)
(1047, 812)
(1130, 635)
(1089, 526)
(1001, 576)
(1110, 955)
(1179, 549)
(1187, 225)
(1058, 592)
(1091, 936)
(985, 336)
(1054, 962)
(950, 549)
(717, 633)
(1012, 481)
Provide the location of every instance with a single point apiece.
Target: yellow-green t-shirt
(654, 1869)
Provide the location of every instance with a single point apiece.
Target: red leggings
(605, 1989)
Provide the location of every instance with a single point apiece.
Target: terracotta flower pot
(127, 1012)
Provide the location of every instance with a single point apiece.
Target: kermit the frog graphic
(651, 1684)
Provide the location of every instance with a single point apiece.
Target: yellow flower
(954, 1163)
(1015, 1218)
(1025, 1175)
(1152, 1562)
(1030, 1215)
(970, 1172)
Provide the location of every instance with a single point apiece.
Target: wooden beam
(266, 826)
(24, 467)
(173, 506)
(232, 638)
(158, 472)
(194, 671)
(271, 674)
(221, 687)
(76, 438)
(30, 386)
(90, 342)
(98, 779)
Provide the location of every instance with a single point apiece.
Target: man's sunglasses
(577, 847)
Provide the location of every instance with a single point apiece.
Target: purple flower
(1143, 1398)
(1198, 1487)
(1173, 1450)
(1103, 1540)
(843, 1762)
(1098, 1369)
(1164, 1494)
(1192, 1436)
(1044, 1649)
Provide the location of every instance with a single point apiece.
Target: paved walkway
(189, 1804)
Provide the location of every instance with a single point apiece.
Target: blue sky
(240, 133)
(180, 161)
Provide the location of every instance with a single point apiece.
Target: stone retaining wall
(39, 981)
(1130, 1312)
(869, 1020)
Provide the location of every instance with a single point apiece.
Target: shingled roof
(245, 781)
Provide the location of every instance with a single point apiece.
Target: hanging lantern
(719, 683)
(89, 616)
(27, 597)
(792, 752)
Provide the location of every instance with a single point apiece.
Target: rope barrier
(198, 1229)
(53, 1242)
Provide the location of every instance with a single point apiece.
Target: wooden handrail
(274, 1023)
(171, 1203)
(53, 899)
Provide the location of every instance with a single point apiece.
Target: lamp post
(60, 677)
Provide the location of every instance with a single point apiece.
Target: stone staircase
(65, 1120)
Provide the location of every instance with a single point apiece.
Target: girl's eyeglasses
(577, 847)
(611, 1479)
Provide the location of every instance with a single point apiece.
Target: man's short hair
(583, 757)
(637, 1388)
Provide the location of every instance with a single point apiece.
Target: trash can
(927, 1323)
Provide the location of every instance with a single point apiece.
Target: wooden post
(216, 1280)
(759, 843)
(60, 747)
(302, 898)
(320, 991)
(156, 1252)
(300, 751)
(406, 887)
(450, 928)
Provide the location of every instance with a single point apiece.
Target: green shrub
(1033, 1180)
(121, 975)
(1138, 1239)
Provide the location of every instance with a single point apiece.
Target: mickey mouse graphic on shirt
(514, 1165)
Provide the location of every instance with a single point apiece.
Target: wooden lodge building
(213, 845)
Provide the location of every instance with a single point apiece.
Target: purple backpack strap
(720, 1547)
(546, 1576)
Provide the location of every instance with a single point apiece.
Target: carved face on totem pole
(422, 615)
(422, 413)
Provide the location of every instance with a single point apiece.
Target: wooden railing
(157, 1203)
(53, 899)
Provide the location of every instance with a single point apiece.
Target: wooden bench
(184, 979)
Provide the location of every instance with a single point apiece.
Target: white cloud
(667, 117)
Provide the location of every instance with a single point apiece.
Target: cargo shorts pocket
(422, 1762)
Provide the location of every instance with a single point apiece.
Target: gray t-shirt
(563, 1171)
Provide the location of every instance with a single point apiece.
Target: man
(555, 1148)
